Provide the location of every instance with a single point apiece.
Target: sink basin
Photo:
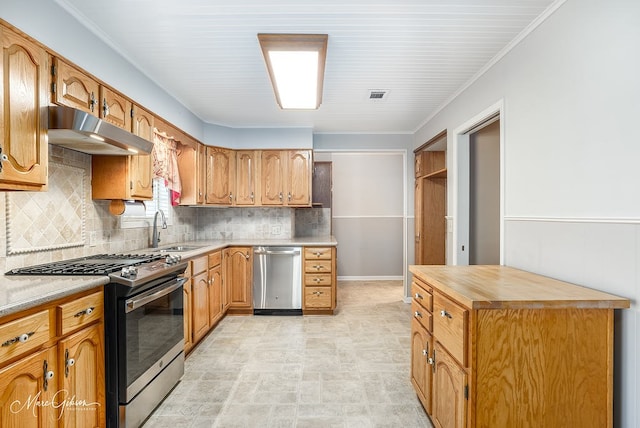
(178, 248)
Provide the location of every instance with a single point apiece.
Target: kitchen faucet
(156, 233)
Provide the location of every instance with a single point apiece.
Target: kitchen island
(496, 346)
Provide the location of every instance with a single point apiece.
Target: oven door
(151, 335)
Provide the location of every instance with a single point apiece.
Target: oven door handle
(143, 299)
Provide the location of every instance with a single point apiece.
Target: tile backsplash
(64, 222)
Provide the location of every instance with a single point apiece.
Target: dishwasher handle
(295, 252)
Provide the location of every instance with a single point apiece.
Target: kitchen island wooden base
(494, 346)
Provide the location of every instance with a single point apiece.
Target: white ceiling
(206, 53)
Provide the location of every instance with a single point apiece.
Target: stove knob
(173, 259)
(129, 272)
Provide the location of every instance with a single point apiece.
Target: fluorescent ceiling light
(295, 63)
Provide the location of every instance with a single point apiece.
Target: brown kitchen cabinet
(215, 288)
(60, 357)
(319, 280)
(187, 309)
(192, 164)
(247, 181)
(121, 177)
(220, 182)
(23, 113)
(142, 164)
(199, 298)
(543, 337)
(73, 88)
(286, 177)
(238, 275)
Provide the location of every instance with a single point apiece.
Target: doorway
(478, 158)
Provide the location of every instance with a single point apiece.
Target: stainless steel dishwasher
(277, 280)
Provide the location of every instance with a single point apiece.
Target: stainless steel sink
(178, 249)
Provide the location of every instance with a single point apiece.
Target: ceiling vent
(378, 94)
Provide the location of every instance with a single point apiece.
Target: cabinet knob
(289, 196)
(419, 296)
(92, 102)
(445, 314)
(87, 311)
(417, 314)
(3, 158)
(47, 375)
(280, 196)
(317, 293)
(21, 338)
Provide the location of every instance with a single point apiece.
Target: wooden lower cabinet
(81, 374)
(59, 383)
(215, 288)
(200, 305)
(204, 298)
(319, 280)
(238, 275)
(509, 348)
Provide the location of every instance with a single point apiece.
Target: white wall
(572, 184)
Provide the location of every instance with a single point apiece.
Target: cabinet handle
(417, 314)
(92, 102)
(432, 360)
(317, 267)
(105, 107)
(47, 375)
(289, 196)
(246, 256)
(317, 253)
(425, 352)
(280, 196)
(87, 311)
(230, 197)
(21, 338)
(317, 279)
(317, 293)
(68, 362)
(3, 158)
(445, 314)
(419, 296)
(252, 197)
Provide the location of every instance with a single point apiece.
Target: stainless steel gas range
(144, 328)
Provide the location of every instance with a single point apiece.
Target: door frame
(459, 190)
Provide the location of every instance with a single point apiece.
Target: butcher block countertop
(503, 287)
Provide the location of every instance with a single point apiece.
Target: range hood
(83, 132)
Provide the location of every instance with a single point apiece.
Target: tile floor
(346, 370)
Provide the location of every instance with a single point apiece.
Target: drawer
(319, 266)
(199, 265)
(423, 297)
(80, 312)
(450, 326)
(422, 315)
(318, 279)
(25, 334)
(317, 253)
(317, 297)
(215, 258)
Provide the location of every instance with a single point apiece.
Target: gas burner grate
(101, 264)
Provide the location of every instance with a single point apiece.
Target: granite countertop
(21, 292)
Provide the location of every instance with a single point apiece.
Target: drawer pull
(87, 311)
(68, 362)
(317, 253)
(419, 296)
(317, 267)
(47, 375)
(445, 314)
(417, 314)
(318, 293)
(22, 338)
(317, 279)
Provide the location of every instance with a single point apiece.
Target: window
(160, 201)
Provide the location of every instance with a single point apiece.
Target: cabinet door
(449, 383)
(115, 108)
(272, 167)
(141, 167)
(299, 178)
(220, 175)
(187, 316)
(24, 78)
(421, 369)
(75, 89)
(201, 173)
(81, 373)
(200, 305)
(215, 295)
(418, 226)
(238, 274)
(22, 384)
(246, 175)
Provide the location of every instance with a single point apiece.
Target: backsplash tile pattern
(245, 223)
(55, 219)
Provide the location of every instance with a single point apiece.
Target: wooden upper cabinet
(286, 177)
(246, 177)
(272, 167)
(299, 174)
(75, 89)
(192, 164)
(24, 80)
(115, 108)
(141, 166)
(220, 176)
